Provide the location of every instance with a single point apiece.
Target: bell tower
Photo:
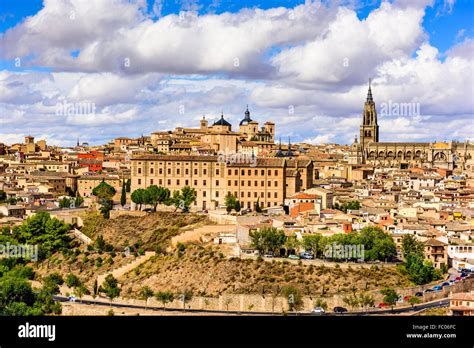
(369, 129)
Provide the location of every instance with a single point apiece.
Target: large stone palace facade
(446, 155)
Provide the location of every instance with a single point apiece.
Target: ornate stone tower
(369, 129)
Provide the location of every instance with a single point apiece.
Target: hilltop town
(225, 195)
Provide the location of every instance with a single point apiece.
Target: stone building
(369, 150)
(266, 180)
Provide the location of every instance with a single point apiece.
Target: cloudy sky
(131, 67)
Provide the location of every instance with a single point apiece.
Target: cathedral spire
(369, 93)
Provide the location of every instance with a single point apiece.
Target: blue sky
(415, 51)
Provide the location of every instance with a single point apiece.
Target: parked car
(294, 257)
(446, 284)
(71, 298)
(306, 256)
(268, 255)
(406, 298)
(429, 290)
(318, 310)
(458, 279)
(339, 310)
(383, 305)
(419, 294)
(463, 275)
(437, 288)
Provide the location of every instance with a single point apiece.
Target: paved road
(433, 304)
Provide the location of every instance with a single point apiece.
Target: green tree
(145, 294)
(95, 289)
(65, 202)
(351, 300)
(78, 200)
(155, 195)
(411, 247)
(129, 185)
(413, 300)
(237, 206)
(312, 243)
(164, 297)
(390, 296)
(104, 191)
(110, 287)
(183, 199)
(294, 297)
(186, 296)
(72, 280)
(80, 291)
(138, 197)
(230, 202)
(321, 303)
(123, 195)
(258, 209)
(366, 300)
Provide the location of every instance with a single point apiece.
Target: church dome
(246, 119)
(222, 122)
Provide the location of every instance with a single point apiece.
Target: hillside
(205, 271)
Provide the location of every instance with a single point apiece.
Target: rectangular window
(249, 172)
(186, 171)
(177, 182)
(229, 182)
(269, 195)
(236, 172)
(204, 193)
(195, 171)
(248, 194)
(160, 182)
(177, 171)
(151, 171)
(151, 181)
(275, 195)
(160, 171)
(255, 183)
(217, 194)
(241, 194)
(263, 172)
(195, 182)
(256, 172)
(169, 171)
(169, 182)
(269, 183)
(229, 172)
(249, 183)
(139, 170)
(242, 172)
(217, 171)
(139, 181)
(269, 172)
(276, 172)
(236, 183)
(204, 183)
(204, 172)
(186, 182)
(275, 183)
(242, 183)
(217, 182)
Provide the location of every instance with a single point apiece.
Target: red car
(458, 279)
(406, 298)
(383, 305)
